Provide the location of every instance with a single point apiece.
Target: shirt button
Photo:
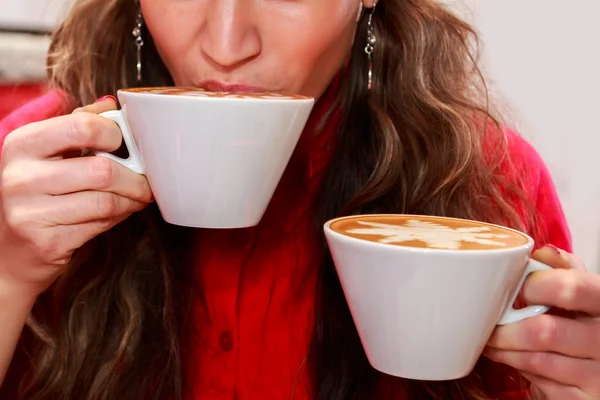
(226, 341)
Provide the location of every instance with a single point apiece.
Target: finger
(59, 177)
(557, 367)
(103, 104)
(71, 209)
(58, 135)
(552, 256)
(558, 258)
(574, 338)
(571, 290)
(77, 235)
(58, 244)
(546, 389)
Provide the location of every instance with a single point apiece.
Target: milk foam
(199, 92)
(433, 234)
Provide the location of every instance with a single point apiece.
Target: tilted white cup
(425, 313)
(212, 161)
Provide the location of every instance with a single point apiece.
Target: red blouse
(253, 308)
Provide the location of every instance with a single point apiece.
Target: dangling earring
(371, 40)
(139, 43)
(360, 10)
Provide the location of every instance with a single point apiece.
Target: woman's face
(294, 46)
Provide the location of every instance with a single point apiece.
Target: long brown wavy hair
(423, 141)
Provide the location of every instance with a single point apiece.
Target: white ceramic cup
(426, 313)
(211, 161)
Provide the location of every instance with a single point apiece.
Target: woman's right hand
(50, 204)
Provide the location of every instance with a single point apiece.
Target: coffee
(429, 232)
(200, 92)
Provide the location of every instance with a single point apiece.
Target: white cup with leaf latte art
(426, 292)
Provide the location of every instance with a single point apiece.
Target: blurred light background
(543, 60)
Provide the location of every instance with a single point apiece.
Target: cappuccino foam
(200, 92)
(429, 232)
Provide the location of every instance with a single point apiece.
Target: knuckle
(108, 204)
(568, 289)
(15, 143)
(537, 361)
(14, 179)
(44, 243)
(101, 172)
(548, 332)
(15, 218)
(9, 145)
(83, 130)
(9, 181)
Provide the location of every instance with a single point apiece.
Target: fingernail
(101, 99)
(574, 261)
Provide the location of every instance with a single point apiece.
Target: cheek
(314, 60)
(161, 22)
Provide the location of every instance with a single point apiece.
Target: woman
(119, 305)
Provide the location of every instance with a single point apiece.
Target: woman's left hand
(558, 354)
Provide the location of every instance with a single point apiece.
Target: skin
(51, 203)
(293, 46)
(559, 354)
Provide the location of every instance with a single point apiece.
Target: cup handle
(511, 315)
(134, 161)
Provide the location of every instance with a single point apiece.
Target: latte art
(434, 235)
(199, 92)
(429, 232)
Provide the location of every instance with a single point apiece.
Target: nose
(229, 38)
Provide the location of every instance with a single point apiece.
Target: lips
(216, 86)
